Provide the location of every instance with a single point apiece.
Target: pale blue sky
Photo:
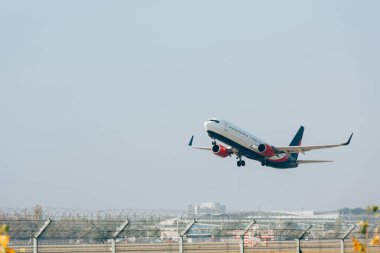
(98, 100)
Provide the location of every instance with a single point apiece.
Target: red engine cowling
(266, 150)
(220, 150)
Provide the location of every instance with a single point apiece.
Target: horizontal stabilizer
(313, 161)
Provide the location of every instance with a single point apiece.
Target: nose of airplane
(207, 125)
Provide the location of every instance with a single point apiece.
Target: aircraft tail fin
(297, 141)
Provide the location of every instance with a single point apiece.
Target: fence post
(243, 234)
(38, 233)
(180, 241)
(298, 246)
(183, 233)
(300, 237)
(117, 232)
(344, 237)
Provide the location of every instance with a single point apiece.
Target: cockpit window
(214, 120)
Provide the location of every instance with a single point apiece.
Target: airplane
(243, 144)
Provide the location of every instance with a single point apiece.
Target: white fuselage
(233, 133)
(237, 135)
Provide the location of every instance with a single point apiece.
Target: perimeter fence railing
(174, 232)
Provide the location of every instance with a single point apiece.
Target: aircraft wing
(203, 148)
(303, 149)
(230, 149)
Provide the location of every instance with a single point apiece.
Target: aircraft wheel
(242, 163)
(239, 163)
(263, 162)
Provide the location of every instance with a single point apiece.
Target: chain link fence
(172, 231)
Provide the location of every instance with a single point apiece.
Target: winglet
(191, 141)
(349, 140)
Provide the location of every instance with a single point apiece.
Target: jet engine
(220, 150)
(266, 150)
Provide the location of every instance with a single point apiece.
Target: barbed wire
(69, 213)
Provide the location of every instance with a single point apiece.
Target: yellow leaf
(9, 250)
(4, 240)
(375, 240)
(357, 246)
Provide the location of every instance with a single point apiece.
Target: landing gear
(213, 142)
(264, 162)
(240, 163)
